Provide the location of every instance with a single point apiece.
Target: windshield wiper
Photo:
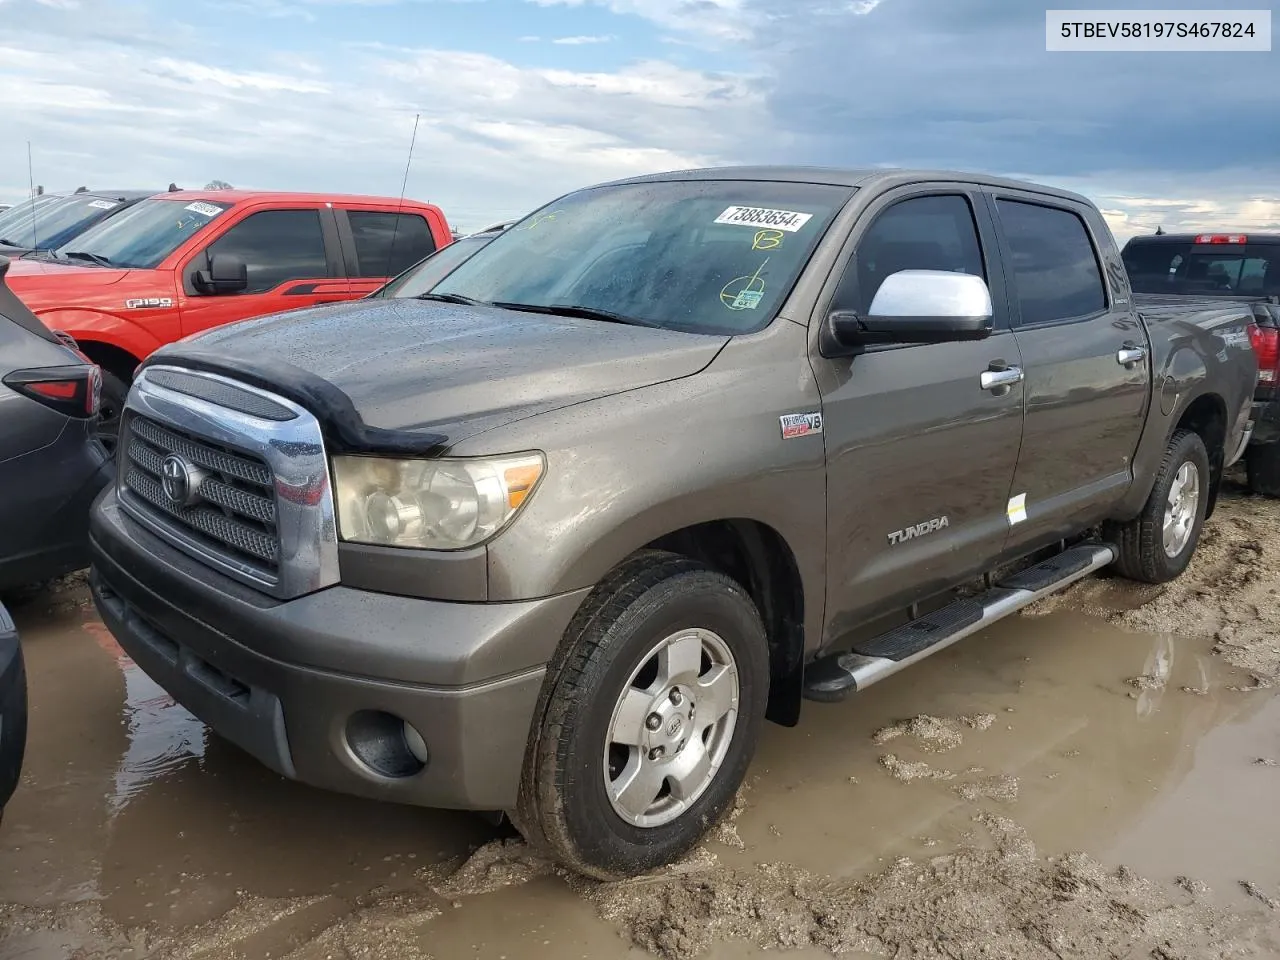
(572, 310)
(452, 298)
(97, 258)
(9, 243)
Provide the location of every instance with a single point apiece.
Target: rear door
(920, 455)
(1086, 361)
(380, 244)
(293, 258)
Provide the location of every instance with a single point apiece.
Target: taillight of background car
(1266, 344)
(73, 391)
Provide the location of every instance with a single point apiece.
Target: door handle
(1130, 354)
(1003, 377)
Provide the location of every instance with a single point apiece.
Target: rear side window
(277, 246)
(923, 233)
(389, 243)
(1055, 269)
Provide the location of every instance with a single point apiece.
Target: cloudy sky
(523, 99)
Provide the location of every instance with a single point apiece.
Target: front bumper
(283, 680)
(13, 708)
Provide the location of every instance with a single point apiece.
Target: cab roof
(857, 177)
(1252, 236)
(269, 196)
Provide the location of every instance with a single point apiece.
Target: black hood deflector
(344, 430)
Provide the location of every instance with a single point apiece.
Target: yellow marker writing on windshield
(766, 239)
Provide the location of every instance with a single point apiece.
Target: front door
(293, 261)
(1087, 373)
(920, 456)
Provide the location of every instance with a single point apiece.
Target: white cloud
(495, 139)
(720, 20)
(580, 40)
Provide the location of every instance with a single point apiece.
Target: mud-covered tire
(565, 807)
(1141, 541)
(1262, 463)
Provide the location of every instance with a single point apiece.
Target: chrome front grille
(235, 505)
(242, 494)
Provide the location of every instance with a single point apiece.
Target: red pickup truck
(179, 263)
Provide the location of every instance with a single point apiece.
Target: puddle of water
(1094, 746)
(129, 800)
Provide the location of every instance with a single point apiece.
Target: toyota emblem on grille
(180, 480)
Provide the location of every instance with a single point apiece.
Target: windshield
(1214, 270)
(19, 211)
(53, 224)
(429, 271)
(704, 256)
(145, 234)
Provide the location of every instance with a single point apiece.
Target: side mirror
(227, 273)
(919, 306)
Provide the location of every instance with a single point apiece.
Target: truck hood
(41, 275)
(414, 366)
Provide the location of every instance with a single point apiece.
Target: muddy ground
(1096, 778)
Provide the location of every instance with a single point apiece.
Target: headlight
(430, 504)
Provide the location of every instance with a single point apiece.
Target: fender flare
(96, 326)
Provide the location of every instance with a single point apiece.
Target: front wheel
(1157, 545)
(648, 719)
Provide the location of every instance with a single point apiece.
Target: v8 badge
(800, 424)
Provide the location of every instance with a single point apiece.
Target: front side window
(702, 256)
(389, 243)
(142, 236)
(1054, 265)
(922, 233)
(276, 246)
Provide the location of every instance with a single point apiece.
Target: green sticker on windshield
(744, 293)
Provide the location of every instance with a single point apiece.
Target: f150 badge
(919, 530)
(149, 303)
(800, 424)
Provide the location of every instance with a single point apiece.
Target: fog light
(386, 744)
(417, 746)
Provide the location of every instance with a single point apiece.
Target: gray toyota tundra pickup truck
(660, 461)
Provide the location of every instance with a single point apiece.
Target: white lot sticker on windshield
(204, 209)
(103, 204)
(788, 220)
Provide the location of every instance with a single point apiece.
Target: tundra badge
(919, 530)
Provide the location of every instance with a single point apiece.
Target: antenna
(395, 230)
(31, 182)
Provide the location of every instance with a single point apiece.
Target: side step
(834, 677)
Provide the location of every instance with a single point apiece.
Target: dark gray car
(654, 464)
(51, 467)
(13, 709)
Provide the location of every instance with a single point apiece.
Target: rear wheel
(1157, 545)
(648, 719)
(1263, 466)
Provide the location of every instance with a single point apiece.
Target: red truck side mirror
(226, 273)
